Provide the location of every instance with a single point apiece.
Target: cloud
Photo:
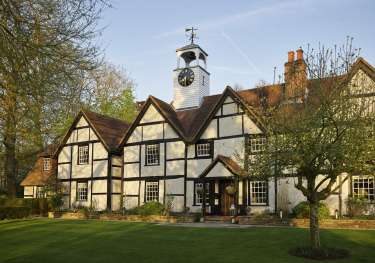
(275, 7)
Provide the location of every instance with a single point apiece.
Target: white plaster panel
(161, 191)
(93, 136)
(116, 172)
(178, 204)
(211, 130)
(72, 137)
(191, 151)
(28, 190)
(100, 202)
(130, 202)
(361, 83)
(250, 127)
(83, 135)
(142, 192)
(169, 133)
(174, 186)
(136, 135)
(65, 187)
(175, 150)
(116, 186)
(116, 201)
(63, 171)
(153, 132)
(99, 151)
(219, 171)
(82, 122)
(287, 195)
(229, 147)
(229, 126)
(131, 170)
(73, 192)
(131, 187)
(131, 153)
(100, 168)
(116, 160)
(151, 115)
(196, 167)
(230, 108)
(99, 186)
(175, 167)
(64, 155)
(228, 100)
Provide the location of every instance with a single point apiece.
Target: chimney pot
(290, 56)
(299, 54)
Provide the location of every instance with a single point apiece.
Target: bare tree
(321, 128)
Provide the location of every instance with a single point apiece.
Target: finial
(192, 34)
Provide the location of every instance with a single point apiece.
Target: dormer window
(46, 164)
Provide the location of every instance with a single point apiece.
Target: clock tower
(190, 79)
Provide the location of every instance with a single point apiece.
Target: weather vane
(192, 34)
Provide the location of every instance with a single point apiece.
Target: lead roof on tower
(191, 46)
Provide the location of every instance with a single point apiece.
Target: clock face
(186, 77)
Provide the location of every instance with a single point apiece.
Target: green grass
(103, 241)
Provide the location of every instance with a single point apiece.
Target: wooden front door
(226, 200)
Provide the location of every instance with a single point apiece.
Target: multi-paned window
(363, 187)
(82, 191)
(203, 149)
(258, 192)
(40, 192)
(257, 144)
(46, 164)
(152, 192)
(152, 154)
(199, 193)
(83, 154)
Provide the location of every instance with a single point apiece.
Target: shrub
(357, 206)
(13, 212)
(151, 208)
(302, 210)
(56, 201)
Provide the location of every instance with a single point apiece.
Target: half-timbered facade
(89, 164)
(188, 153)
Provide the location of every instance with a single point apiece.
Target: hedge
(13, 212)
(302, 210)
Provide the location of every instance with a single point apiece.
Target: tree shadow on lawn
(111, 241)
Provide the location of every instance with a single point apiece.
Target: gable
(219, 170)
(362, 83)
(151, 115)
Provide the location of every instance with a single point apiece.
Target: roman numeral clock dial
(186, 77)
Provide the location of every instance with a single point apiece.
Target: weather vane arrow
(192, 34)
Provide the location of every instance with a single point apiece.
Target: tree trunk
(314, 225)
(10, 156)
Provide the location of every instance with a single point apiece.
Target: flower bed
(335, 223)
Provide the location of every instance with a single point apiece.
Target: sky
(245, 39)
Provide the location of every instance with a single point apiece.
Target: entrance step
(218, 219)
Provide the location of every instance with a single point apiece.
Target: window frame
(40, 192)
(78, 195)
(261, 146)
(88, 154)
(250, 193)
(146, 192)
(146, 154)
(370, 196)
(210, 144)
(46, 164)
(196, 203)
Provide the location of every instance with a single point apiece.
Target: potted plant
(230, 189)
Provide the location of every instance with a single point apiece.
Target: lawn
(69, 241)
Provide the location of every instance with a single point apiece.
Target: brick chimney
(295, 76)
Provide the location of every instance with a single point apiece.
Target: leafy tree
(113, 93)
(321, 129)
(45, 49)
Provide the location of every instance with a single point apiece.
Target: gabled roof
(228, 163)
(109, 130)
(189, 124)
